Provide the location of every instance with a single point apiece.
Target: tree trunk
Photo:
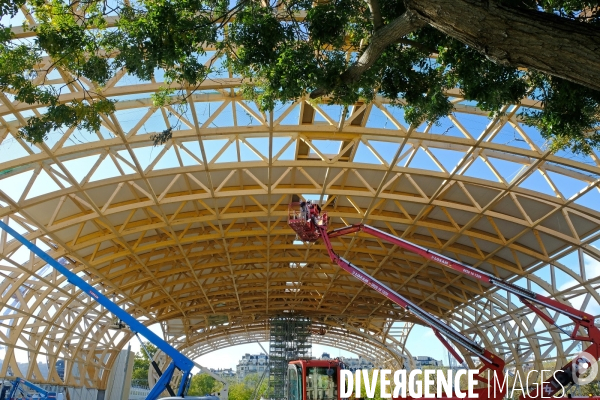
(519, 37)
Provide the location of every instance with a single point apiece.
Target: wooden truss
(192, 235)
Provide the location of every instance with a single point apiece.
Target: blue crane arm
(14, 388)
(35, 387)
(45, 394)
(179, 360)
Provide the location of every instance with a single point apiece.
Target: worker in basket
(304, 209)
(310, 212)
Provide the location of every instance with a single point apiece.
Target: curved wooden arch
(195, 231)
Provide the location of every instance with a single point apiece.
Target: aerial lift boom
(46, 395)
(527, 297)
(179, 361)
(311, 225)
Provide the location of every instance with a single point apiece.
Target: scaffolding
(289, 340)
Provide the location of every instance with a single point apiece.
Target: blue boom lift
(179, 361)
(16, 386)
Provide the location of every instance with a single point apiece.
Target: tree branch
(375, 13)
(381, 39)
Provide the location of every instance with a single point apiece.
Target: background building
(425, 361)
(251, 364)
(224, 373)
(138, 393)
(352, 363)
(60, 368)
(358, 363)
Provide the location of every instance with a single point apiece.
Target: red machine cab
(313, 380)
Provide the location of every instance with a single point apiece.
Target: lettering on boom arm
(472, 273)
(370, 283)
(360, 277)
(466, 271)
(440, 260)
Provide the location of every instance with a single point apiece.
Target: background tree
(203, 384)
(409, 51)
(249, 387)
(240, 391)
(141, 362)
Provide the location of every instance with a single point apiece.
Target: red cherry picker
(311, 225)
